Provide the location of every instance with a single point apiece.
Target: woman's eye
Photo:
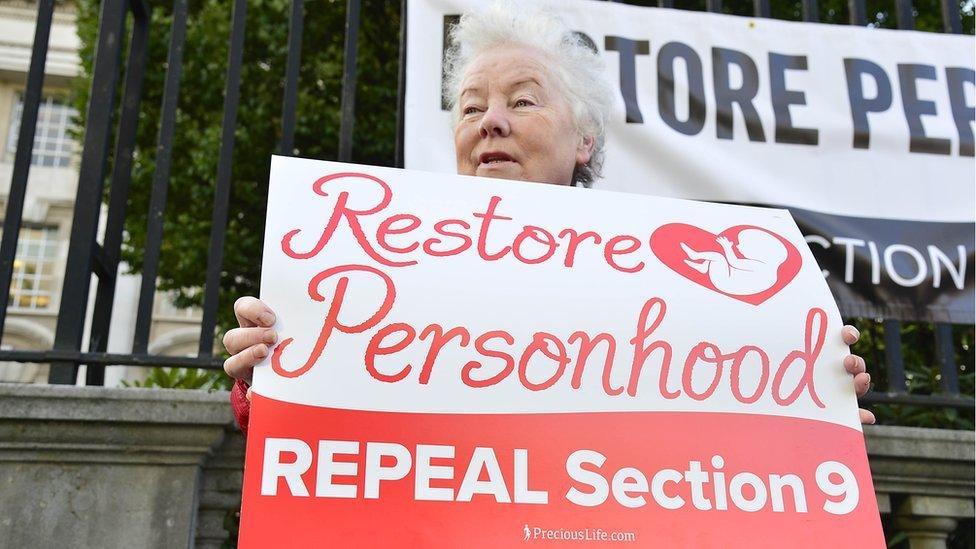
(524, 103)
(469, 110)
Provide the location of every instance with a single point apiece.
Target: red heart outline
(666, 241)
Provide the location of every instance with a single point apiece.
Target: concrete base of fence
(925, 477)
(97, 467)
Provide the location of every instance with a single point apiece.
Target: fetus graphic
(753, 270)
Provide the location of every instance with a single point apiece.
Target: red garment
(240, 404)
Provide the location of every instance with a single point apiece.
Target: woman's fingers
(856, 367)
(852, 363)
(238, 339)
(251, 311)
(862, 382)
(252, 342)
(241, 365)
(867, 418)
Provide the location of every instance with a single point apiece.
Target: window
(53, 146)
(33, 280)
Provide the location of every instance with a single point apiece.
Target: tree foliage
(197, 132)
(197, 141)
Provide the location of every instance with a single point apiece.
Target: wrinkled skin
(515, 122)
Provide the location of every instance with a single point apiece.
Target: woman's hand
(856, 367)
(252, 341)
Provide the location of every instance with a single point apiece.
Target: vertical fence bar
(857, 12)
(811, 13)
(289, 102)
(121, 176)
(22, 158)
(893, 356)
(401, 85)
(870, 329)
(951, 22)
(218, 224)
(945, 357)
(348, 108)
(164, 156)
(94, 156)
(904, 14)
(760, 8)
(714, 6)
(906, 21)
(944, 352)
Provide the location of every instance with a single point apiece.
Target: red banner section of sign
(343, 478)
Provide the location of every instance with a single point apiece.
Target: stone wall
(97, 467)
(923, 478)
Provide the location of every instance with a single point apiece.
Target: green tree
(198, 121)
(922, 372)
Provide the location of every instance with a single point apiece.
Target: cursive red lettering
(479, 345)
(736, 370)
(440, 229)
(387, 228)
(375, 347)
(437, 343)
(612, 249)
(574, 242)
(812, 344)
(331, 321)
(586, 347)
(708, 353)
(532, 232)
(486, 219)
(641, 352)
(341, 210)
(540, 344)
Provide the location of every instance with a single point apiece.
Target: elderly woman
(530, 103)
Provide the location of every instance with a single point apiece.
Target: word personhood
(469, 362)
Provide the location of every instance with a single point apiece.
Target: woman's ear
(585, 150)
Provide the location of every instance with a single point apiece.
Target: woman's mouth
(494, 158)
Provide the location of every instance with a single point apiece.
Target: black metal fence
(87, 257)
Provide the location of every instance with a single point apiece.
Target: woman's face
(515, 122)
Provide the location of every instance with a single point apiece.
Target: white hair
(577, 67)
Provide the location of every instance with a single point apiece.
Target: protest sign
(866, 135)
(468, 362)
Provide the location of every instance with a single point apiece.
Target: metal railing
(87, 257)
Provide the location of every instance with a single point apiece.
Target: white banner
(843, 125)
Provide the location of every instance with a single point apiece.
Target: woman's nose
(495, 123)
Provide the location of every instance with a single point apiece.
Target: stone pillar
(220, 491)
(924, 477)
(99, 467)
(928, 520)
